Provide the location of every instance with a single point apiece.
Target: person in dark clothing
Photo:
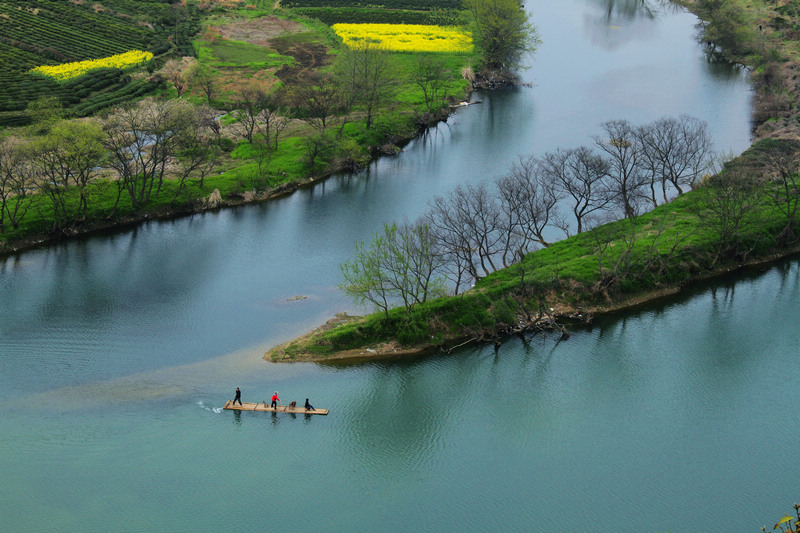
(238, 397)
(309, 407)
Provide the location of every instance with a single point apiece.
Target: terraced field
(51, 32)
(427, 12)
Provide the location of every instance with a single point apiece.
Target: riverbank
(226, 191)
(764, 37)
(214, 201)
(562, 318)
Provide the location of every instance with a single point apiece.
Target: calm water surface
(116, 352)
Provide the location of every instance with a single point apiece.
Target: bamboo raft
(250, 406)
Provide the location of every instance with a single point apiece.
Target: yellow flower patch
(78, 68)
(406, 37)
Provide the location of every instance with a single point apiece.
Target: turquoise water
(117, 352)
(664, 419)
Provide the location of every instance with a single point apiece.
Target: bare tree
(250, 102)
(197, 148)
(174, 71)
(272, 120)
(613, 244)
(431, 75)
(317, 98)
(512, 243)
(16, 180)
(142, 139)
(781, 159)
(580, 176)
(454, 251)
(676, 151)
(627, 178)
(528, 205)
(368, 75)
(467, 225)
(731, 206)
(265, 140)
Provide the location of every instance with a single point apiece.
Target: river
(117, 351)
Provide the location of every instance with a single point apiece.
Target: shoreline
(582, 315)
(207, 204)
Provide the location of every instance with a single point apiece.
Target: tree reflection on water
(616, 22)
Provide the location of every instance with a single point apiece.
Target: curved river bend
(117, 351)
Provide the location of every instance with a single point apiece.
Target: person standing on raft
(309, 407)
(275, 400)
(238, 397)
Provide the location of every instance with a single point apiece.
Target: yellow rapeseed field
(406, 37)
(78, 68)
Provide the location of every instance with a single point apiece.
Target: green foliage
(398, 266)
(503, 32)
(788, 524)
(222, 52)
(726, 25)
(45, 112)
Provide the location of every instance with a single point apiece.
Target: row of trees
(480, 230)
(143, 144)
(476, 230)
(364, 80)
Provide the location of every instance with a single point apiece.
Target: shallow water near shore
(117, 352)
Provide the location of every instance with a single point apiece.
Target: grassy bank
(609, 268)
(765, 36)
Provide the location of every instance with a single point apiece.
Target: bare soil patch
(258, 31)
(306, 55)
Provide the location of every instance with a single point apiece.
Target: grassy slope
(564, 280)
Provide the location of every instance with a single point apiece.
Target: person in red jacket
(275, 400)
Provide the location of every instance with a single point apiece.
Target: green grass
(224, 53)
(568, 275)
